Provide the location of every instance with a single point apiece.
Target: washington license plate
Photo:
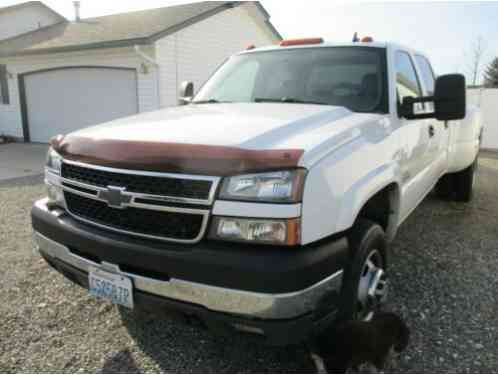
(110, 286)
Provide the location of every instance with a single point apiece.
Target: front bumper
(74, 247)
(260, 305)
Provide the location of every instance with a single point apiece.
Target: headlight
(282, 186)
(54, 161)
(52, 178)
(264, 231)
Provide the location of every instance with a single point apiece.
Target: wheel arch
(333, 200)
(382, 207)
(377, 200)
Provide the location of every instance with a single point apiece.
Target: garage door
(64, 100)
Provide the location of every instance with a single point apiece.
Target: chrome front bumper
(232, 301)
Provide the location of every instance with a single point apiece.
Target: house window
(4, 85)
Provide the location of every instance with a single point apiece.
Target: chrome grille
(177, 225)
(162, 206)
(139, 183)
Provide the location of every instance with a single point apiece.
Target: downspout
(153, 62)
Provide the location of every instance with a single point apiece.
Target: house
(486, 99)
(65, 75)
(34, 15)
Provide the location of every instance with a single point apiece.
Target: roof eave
(127, 42)
(193, 20)
(226, 5)
(31, 3)
(79, 47)
(144, 40)
(267, 21)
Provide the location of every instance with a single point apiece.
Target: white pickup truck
(265, 205)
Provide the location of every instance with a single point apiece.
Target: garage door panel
(64, 100)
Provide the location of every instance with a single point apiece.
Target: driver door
(414, 137)
(440, 133)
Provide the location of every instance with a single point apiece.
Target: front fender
(365, 188)
(337, 188)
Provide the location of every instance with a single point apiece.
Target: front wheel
(365, 283)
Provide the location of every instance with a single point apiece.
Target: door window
(427, 74)
(407, 83)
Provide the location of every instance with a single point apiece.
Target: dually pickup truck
(266, 204)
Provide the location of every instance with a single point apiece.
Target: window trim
(414, 66)
(417, 55)
(4, 85)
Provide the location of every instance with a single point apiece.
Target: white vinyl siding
(193, 54)
(487, 100)
(10, 115)
(26, 19)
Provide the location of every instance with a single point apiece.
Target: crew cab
(265, 203)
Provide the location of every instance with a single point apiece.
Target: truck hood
(285, 130)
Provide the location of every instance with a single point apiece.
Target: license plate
(110, 286)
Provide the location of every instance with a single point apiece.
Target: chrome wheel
(372, 287)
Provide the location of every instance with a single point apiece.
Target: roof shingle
(111, 31)
(27, 4)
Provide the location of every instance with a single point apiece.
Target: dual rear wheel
(458, 186)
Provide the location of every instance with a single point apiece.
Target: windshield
(353, 77)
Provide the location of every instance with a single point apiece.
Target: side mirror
(449, 100)
(450, 97)
(185, 93)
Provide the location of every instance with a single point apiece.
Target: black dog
(354, 343)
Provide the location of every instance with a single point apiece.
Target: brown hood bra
(173, 157)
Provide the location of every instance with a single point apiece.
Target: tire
(457, 186)
(444, 187)
(364, 288)
(464, 183)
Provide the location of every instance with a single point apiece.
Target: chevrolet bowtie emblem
(114, 197)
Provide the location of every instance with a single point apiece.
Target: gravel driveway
(444, 282)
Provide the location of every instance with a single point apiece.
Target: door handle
(432, 131)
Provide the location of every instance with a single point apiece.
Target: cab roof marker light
(250, 47)
(300, 42)
(367, 39)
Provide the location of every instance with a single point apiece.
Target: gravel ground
(443, 270)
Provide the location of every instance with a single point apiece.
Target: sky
(445, 31)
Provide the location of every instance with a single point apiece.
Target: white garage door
(64, 100)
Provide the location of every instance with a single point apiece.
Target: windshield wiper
(210, 101)
(287, 100)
